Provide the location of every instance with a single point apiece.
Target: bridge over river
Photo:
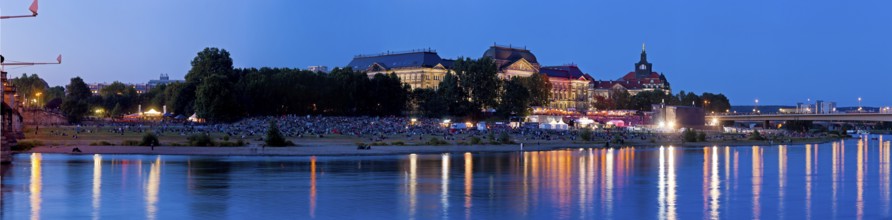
(841, 117)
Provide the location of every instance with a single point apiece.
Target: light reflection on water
(622, 183)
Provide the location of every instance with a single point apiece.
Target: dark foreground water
(845, 180)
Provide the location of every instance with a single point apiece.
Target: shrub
(436, 141)
(25, 145)
(398, 143)
(130, 143)
(701, 137)
(586, 134)
(475, 140)
(231, 144)
(200, 140)
(504, 138)
(274, 137)
(149, 139)
(689, 135)
(102, 143)
(756, 136)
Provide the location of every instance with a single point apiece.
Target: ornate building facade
(421, 69)
(571, 89)
(642, 79)
(512, 61)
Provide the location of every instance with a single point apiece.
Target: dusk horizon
(746, 51)
(465, 109)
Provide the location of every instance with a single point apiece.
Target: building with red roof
(642, 79)
(571, 89)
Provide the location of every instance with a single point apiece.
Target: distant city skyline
(778, 52)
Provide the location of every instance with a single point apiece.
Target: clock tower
(642, 67)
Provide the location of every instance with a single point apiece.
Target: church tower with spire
(642, 67)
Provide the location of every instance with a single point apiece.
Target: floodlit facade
(421, 69)
(571, 89)
(512, 61)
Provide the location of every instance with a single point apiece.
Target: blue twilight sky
(780, 52)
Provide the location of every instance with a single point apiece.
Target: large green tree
(429, 103)
(121, 96)
(515, 99)
(457, 101)
(620, 98)
(210, 61)
(539, 88)
(215, 100)
(75, 106)
(479, 80)
(32, 88)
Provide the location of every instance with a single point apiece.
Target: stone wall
(41, 117)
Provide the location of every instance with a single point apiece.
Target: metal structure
(8, 125)
(842, 117)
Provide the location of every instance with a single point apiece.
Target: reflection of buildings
(421, 69)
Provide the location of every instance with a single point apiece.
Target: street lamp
(859, 104)
(756, 108)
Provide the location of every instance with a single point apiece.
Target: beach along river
(847, 179)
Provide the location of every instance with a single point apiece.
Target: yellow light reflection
(413, 184)
(835, 161)
(781, 175)
(609, 180)
(469, 175)
(152, 188)
(666, 183)
(36, 186)
(714, 185)
(444, 185)
(313, 187)
(859, 204)
(808, 177)
(97, 184)
(757, 180)
(884, 174)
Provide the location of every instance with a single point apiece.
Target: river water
(845, 179)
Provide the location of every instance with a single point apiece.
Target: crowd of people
(384, 129)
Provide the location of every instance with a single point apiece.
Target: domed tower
(642, 67)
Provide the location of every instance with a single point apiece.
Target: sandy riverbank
(330, 150)
(349, 150)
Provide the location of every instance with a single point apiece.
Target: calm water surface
(846, 180)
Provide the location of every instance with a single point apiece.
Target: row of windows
(408, 77)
